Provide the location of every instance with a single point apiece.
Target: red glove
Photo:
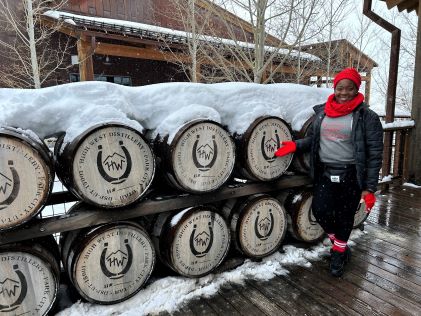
(286, 148)
(369, 200)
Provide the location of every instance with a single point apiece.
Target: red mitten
(369, 200)
(286, 148)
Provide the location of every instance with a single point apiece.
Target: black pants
(335, 204)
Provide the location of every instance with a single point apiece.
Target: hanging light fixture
(107, 61)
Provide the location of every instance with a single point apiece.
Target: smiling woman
(345, 144)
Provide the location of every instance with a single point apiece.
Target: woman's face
(345, 91)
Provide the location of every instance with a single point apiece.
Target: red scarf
(334, 109)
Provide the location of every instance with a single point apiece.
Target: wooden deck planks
(383, 278)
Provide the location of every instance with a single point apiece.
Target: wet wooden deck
(383, 277)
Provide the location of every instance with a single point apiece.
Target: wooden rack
(156, 203)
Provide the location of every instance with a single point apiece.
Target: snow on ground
(168, 294)
(411, 185)
(161, 108)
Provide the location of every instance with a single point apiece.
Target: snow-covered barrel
(199, 158)
(108, 263)
(257, 147)
(301, 161)
(301, 222)
(29, 277)
(26, 176)
(258, 224)
(192, 242)
(108, 165)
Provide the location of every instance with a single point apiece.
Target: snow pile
(169, 293)
(162, 108)
(411, 185)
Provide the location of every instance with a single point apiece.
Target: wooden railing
(395, 155)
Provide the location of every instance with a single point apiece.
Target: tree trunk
(32, 46)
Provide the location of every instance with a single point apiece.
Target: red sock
(339, 245)
(331, 237)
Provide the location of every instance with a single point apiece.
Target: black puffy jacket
(367, 137)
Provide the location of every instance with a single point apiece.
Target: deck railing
(395, 153)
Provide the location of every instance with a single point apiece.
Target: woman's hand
(287, 147)
(369, 198)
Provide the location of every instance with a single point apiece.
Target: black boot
(338, 262)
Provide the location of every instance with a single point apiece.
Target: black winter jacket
(367, 138)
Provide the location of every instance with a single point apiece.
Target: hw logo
(117, 263)
(204, 156)
(9, 186)
(269, 146)
(12, 292)
(201, 243)
(263, 227)
(115, 168)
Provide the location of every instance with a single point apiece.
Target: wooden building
(147, 42)
(341, 54)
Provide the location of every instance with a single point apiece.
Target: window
(123, 80)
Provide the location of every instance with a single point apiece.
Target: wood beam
(85, 52)
(414, 162)
(140, 53)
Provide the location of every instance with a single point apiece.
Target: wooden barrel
(301, 222)
(258, 224)
(26, 176)
(192, 242)
(29, 277)
(108, 263)
(109, 165)
(257, 147)
(360, 215)
(200, 158)
(301, 161)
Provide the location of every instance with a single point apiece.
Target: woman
(346, 145)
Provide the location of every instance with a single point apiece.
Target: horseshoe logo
(264, 224)
(114, 162)
(205, 152)
(270, 146)
(8, 288)
(14, 183)
(201, 240)
(116, 259)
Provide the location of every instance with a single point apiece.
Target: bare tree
(264, 57)
(29, 58)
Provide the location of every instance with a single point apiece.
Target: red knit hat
(348, 73)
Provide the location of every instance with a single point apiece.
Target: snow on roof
(159, 32)
(163, 108)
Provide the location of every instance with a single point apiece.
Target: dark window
(123, 80)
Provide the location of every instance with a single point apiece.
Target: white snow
(386, 178)
(75, 107)
(168, 294)
(396, 124)
(411, 185)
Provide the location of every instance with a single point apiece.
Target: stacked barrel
(114, 165)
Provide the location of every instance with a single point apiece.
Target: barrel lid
(260, 225)
(202, 156)
(29, 276)
(26, 177)
(109, 165)
(195, 241)
(112, 262)
(259, 144)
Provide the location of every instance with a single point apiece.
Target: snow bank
(75, 107)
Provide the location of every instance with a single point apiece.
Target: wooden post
(414, 163)
(367, 87)
(85, 52)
